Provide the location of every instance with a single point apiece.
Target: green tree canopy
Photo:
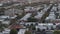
(27, 32)
(19, 16)
(56, 32)
(33, 28)
(31, 19)
(13, 31)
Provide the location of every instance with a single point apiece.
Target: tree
(27, 25)
(2, 11)
(13, 31)
(0, 23)
(31, 19)
(23, 7)
(56, 32)
(19, 16)
(27, 32)
(1, 26)
(12, 21)
(33, 28)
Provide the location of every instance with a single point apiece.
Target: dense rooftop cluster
(33, 18)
